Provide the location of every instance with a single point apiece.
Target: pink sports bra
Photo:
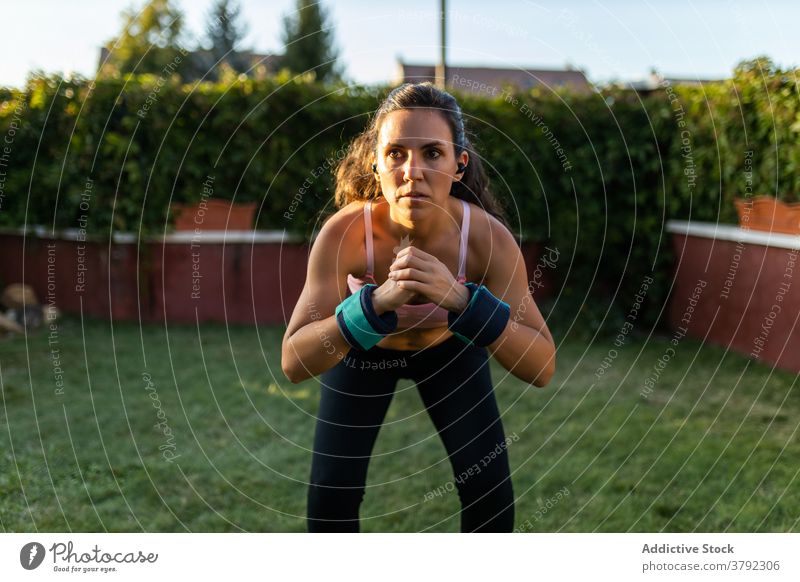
(424, 315)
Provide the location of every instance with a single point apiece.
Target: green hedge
(595, 176)
(145, 142)
(744, 141)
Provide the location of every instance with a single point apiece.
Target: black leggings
(454, 382)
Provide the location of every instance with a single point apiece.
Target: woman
(415, 209)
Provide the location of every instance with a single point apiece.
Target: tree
(225, 32)
(760, 66)
(149, 41)
(308, 38)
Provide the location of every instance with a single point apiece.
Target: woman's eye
(434, 154)
(394, 153)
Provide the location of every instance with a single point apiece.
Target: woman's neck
(430, 227)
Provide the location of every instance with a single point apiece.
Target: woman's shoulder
(347, 219)
(485, 227)
(489, 238)
(342, 234)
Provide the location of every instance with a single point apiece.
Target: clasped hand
(417, 275)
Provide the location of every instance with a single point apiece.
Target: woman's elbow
(291, 365)
(295, 372)
(291, 372)
(543, 378)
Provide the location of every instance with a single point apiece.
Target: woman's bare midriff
(415, 339)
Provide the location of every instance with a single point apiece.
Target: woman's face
(416, 159)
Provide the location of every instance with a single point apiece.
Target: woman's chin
(414, 202)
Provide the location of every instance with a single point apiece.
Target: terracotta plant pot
(769, 214)
(214, 214)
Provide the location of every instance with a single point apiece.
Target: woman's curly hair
(354, 177)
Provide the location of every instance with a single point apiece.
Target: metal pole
(441, 67)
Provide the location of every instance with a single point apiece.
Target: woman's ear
(461, 166)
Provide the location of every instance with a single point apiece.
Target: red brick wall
(736, 307)
(239, 282)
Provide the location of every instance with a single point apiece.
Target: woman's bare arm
(526, 347)
(312, 342)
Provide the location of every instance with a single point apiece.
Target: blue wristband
(483, 320)
(358, 321)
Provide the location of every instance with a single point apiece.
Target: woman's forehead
(412, 125)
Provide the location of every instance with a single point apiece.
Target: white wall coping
(179, 237)
(734, 233)
(710, 230)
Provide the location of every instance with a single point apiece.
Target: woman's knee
(498, 488)
(487, 475)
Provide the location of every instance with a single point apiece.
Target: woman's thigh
(353, 403)
(461, 403)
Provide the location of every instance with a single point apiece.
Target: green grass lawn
(713, 448)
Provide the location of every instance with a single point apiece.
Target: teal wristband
(361, 327)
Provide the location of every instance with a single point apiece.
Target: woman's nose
(411, 169)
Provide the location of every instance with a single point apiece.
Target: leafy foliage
(743, 135)
(308, 38)
(225, 33)
(150, 40)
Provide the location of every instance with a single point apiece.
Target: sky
(608, 40)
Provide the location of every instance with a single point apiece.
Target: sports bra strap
(368, 226)
(462, 251)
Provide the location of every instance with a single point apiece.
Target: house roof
(202, 61)
(490, 80)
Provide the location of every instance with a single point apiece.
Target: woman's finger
(409, 261)
(415, 274)
(414, 251)
(411, 285)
